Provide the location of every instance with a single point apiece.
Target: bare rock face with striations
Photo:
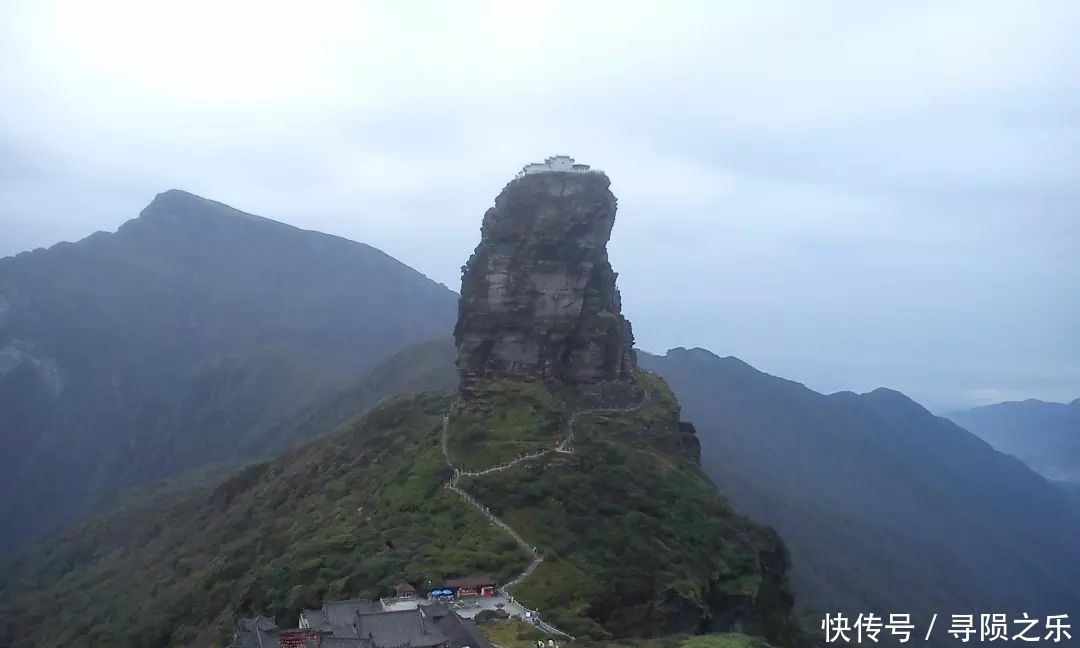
(538, 296)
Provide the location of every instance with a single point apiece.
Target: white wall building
(563, 163)
(560, 163)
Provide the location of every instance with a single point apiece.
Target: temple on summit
(554, 163)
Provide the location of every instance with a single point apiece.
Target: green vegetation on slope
(498, 421)
(512, 633)
(519, 634)
(636, 540)
(343, 517)
(729, 640)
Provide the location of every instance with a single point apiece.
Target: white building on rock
(554, 163)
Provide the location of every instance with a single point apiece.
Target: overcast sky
(845, 194)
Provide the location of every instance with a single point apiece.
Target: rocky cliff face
(538, 296)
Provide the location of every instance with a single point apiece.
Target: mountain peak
(177, 204)
(180, 215)
(707, 359)
(174, 195)
(695, 353)
(543, 347)
(538, 296)
(214, 304)
(883, 396)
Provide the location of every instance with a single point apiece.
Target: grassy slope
(512, 633)
(343, 517)
(502, 421)
(637, 541)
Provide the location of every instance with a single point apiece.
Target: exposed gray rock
(538, 296)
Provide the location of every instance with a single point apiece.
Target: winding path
(566, 446)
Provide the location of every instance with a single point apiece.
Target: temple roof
(392, 629)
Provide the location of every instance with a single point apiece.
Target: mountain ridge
(769, 443)
(193, 318)
(1045, 435)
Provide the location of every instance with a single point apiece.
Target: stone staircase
(565, 447)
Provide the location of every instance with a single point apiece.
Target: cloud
(845, 194)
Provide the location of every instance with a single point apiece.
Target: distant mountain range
(181, 340)
(1046, 436)
(884, 506)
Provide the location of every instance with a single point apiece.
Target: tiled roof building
(358, 623)
(461, 633)
(337, 617)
